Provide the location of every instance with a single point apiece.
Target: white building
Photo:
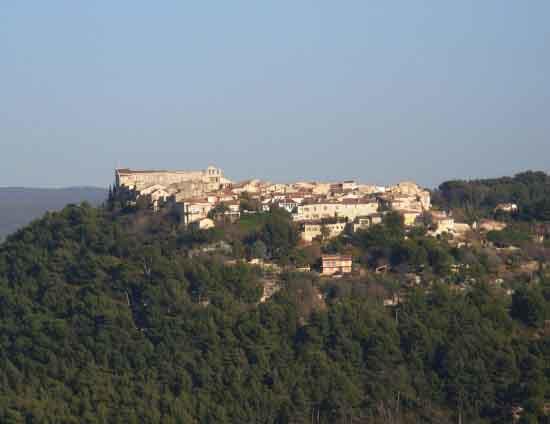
(348, 208)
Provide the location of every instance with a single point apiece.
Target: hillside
(128, 317)
(529, 191)
(19, 206)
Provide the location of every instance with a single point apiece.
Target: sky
(378, 91)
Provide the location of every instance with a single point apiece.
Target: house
(401, 202)
(157, 197)
(278, 188)
(203, 224)
(348, 185)
(155, 194)
(347, 208)
(249, 186)
(461, 228)
(410, 190)
(226, 211)
(364, 222)
(233, 211)
(336, 264)
(225, 195)
(446, 225)
(220, 247)
(321, 188)
(487, 225)
(266, 266)
(441, 223)
(266, 205)
(409, 217)
(304, 268)
(313, 229)
(194, 210)
(506, 207)
(361, 223)
(287, 204)
(298, 198)
(304, 186)
(370, 189)
(354, 195)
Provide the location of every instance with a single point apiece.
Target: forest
(111, 316)
(530, 190)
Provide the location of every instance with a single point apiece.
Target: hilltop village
(321, 209)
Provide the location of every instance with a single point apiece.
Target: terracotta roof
(336, 257)
(361, 201)
(196, 200)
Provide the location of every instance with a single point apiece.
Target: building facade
(336, 264)
(138, 179)
(349, 208)
(311, 230)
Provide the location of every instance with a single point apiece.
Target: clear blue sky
(374, 90)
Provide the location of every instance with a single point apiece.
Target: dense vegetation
(529, 190)
(105, 317)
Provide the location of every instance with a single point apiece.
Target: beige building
(336, 264)
(212, 177)
(461, 229)
(233, 210)
(370, 189)
(203, 224)
(279, 188)
(249, 186)
(349, 185)
(365, 222)
(401, 202)
(193, 210)
(311, 230)
(409, 217)
(158, 197)
(321, 188)
(442, 223)
(414, 191)
(348, 208)
(487, 225)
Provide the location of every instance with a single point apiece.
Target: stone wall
(141, 179)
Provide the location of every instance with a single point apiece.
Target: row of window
(335, 265)
(336, 207)
(318, 228)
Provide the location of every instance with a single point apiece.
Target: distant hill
(19, 205)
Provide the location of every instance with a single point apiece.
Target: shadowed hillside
(125, 315)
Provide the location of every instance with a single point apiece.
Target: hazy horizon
(281, 91)
(336, 179)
